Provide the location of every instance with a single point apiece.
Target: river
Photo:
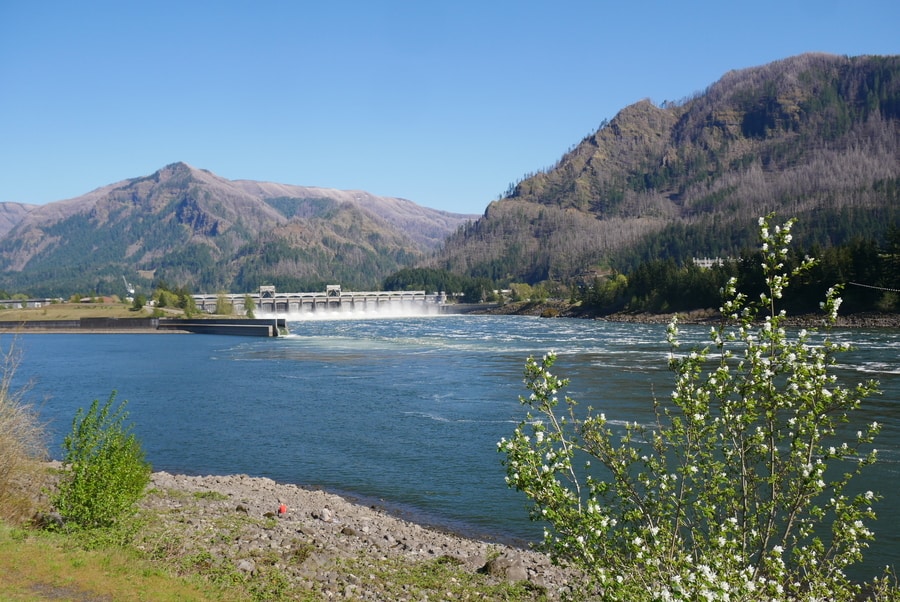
(402, 412)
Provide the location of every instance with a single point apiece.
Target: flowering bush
(739, 491)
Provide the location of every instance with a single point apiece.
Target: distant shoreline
(542, 309)
(561, 309)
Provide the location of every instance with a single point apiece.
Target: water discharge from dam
(411, 310)
(333, 303)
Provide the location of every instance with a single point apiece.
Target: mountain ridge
(193, 227)
(813, 136)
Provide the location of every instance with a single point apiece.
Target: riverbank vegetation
(870, 273)
(104, 472)
(176, 554)
(22, 445)
(740, 489)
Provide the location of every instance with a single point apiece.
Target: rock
(507, 567)
(310, 547)
(49, 520)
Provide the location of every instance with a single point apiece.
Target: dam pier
(268, 301)
(272, 310)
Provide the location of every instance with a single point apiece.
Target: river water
(402, 412)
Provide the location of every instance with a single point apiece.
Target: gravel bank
(315, 536)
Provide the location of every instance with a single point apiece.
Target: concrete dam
(268, 301)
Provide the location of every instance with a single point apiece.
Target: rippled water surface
(402, 411)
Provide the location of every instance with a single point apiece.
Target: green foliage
(139, 302)
(179, 297)
(223, 305)
(607, 294)
(165, 298)
(521, 291)
(739, 490)
(478, 290)
(430, 280)
(869, 269)
(188, 305)
(210, 495)
(249, 307)
(104, 470)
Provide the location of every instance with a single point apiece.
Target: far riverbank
(562, 309)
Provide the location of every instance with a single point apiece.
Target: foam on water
(393, 310)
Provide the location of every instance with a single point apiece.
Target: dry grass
(72, 311)
(22, 446)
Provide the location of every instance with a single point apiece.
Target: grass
(210, 495)
(440, 579)
(39, 566)
(22, 445)
(155, 560)
(71, 311)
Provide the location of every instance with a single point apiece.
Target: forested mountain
(815, 137)
(189, 227)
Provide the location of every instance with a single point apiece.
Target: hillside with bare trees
(814, 136)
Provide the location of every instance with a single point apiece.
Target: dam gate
(269, 301)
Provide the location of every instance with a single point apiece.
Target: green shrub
(223, 306)
(104, 470)
(139, 302)
(249, 307)
(740, 488)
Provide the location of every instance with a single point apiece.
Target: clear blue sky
(443, 103)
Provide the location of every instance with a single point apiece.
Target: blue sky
(443, 103)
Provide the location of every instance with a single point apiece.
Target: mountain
(814, 136)
(11, 214)
(190, 227)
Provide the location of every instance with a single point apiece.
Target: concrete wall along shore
(83, 324)
(240, 327)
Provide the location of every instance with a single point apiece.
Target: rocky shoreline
(310, 536)
(562, 309)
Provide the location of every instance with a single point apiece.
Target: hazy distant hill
(813, 136)
(190, 227)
